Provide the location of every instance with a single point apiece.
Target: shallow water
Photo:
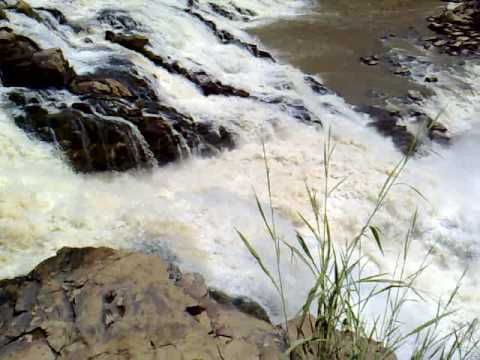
(188, 211)
(332, 37)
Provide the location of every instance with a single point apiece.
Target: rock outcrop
(98, 303)
(24, 63)
(119, 122)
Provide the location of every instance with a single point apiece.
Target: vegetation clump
(333, 322)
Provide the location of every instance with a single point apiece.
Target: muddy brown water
(332, 37)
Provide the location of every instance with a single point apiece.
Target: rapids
(188, 211)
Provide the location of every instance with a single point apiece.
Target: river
(188, 211)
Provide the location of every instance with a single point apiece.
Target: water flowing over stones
(110, 128)
(113, 102)
(141, 98)
(201, 79)
(227, 38)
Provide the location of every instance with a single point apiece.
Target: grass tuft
(332, 322)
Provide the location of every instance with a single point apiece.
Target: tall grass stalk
(342, 290)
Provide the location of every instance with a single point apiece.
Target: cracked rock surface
(99, 303)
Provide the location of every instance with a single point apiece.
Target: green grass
(332, 322)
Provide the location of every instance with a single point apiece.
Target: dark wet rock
(119, 20)
(57, 14)
(243, 11)
(192, 4)
(242, 303)
(222, 11)
(226, 37)
(316, 86)
(370, 60)
(431, 79)
(118, 124)
(23, 63)
(102, 303)
(295, 108)
(386, 124)
(200, 78)
(402, 71)
(234, 12)
(90, 142)
(437, 131)
(17, 98)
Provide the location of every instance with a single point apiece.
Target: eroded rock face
(107, 304)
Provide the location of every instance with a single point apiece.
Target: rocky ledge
(116, 120)
(99, 303)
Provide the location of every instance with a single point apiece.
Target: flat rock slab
(106, 304)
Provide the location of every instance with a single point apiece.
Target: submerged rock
(108, 304)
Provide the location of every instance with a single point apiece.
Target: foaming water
(189, 211)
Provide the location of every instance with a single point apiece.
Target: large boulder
(90, 142)
(106, 304)
(24, 63)
(118, 123)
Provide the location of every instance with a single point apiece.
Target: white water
(189, 210)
